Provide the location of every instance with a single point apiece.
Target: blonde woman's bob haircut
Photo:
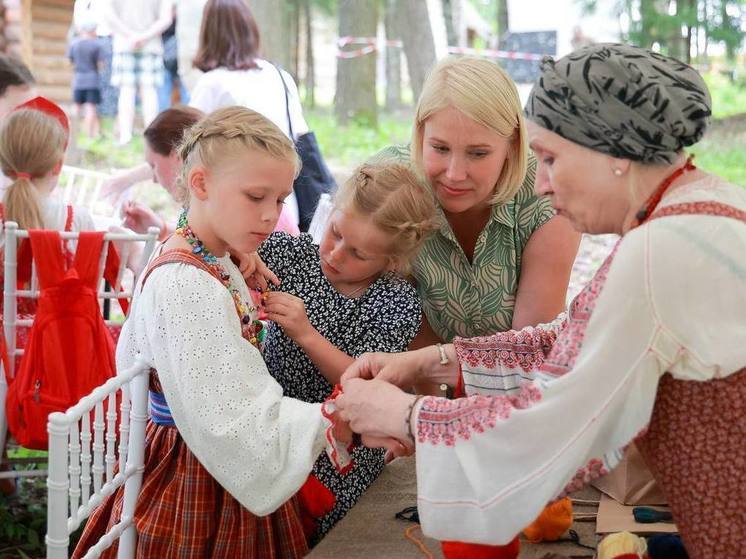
(484, 92)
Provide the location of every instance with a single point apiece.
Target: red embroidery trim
(585, 474)
(568, 345)
(444, 421)
(701, 208)
(514, 349)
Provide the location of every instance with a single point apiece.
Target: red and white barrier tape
(372, 44)
(491, 53)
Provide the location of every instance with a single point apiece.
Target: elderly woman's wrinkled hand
(375, 408)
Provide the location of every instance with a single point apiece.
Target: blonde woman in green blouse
(501, 259)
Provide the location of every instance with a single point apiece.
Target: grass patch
(348, 146)
(104, 153)
(728, 163)
(728, 97)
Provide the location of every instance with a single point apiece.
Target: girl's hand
(369, 365)
(289, 312)
(375, 408)
(394, 448)
(114, 187)
(254, 270)
(407, 368)
(139, 217)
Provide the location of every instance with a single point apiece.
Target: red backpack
(70, 351)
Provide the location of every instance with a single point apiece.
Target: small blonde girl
(341, 299)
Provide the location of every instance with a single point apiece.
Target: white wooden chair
(81, 461)
(82, 187)
(320, 218)
(11, 322)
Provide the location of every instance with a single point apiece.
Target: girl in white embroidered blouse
(552, 407)
(225, 451)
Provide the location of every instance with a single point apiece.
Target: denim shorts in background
(82, 96)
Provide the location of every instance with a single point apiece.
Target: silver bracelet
(443, 357)
(410, 411)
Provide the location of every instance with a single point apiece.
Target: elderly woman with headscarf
(652, 350)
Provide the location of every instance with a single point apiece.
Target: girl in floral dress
(341, 299)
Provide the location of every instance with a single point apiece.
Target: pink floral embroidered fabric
(442, 420)
(567, 348)
(695, 446)
(513, 349)
(593, 470)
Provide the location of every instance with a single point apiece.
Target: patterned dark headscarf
(621, 100)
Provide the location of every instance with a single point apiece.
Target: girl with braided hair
(225, 450)
(343, 298)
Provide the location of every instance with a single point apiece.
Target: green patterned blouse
(467, 299)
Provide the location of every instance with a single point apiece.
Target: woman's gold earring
(618, 172)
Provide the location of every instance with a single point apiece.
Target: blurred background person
(137, 62)
(86, 54)
(171, 76)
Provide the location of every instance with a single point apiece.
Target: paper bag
(631, 482)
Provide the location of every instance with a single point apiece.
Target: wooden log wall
(38, 31)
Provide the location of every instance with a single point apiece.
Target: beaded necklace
(250, 329)
(647, 210)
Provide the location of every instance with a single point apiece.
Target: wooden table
(370, 529)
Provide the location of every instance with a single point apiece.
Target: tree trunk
(294, 35)
(274, 21)
(310, 70)
(450, 28)
(648, 12)
(706, 59)
(355, 98)
(393, 58)
(503, 23)
(419, 46)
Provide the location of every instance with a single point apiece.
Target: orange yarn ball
(553, 521)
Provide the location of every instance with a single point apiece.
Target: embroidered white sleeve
(231, 413)
(487, 465)
(501, 363)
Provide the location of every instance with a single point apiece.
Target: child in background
(33, 140)
(162, 138)
(17, 86)
(341, 299)
(86, 54)
(226, 451)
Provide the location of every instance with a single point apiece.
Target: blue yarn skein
(666, 546)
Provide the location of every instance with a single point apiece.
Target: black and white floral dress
(385, 318)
